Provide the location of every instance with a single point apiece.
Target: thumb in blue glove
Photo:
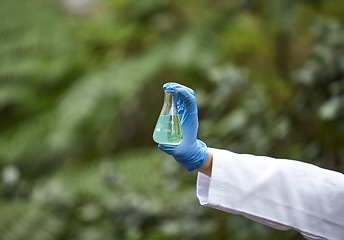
(191, 153)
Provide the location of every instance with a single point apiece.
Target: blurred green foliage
(80, 93)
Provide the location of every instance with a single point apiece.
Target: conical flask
(168, 130)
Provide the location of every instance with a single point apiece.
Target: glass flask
(168, 130)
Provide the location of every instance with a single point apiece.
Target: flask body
(168, 129)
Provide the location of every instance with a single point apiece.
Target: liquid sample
(168, 130)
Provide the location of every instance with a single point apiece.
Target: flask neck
(170, 103)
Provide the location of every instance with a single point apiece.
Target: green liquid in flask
(168, 130)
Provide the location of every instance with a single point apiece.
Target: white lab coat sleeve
(283, 194)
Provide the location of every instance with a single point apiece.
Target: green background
(81, 91)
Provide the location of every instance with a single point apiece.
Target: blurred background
(81, 91)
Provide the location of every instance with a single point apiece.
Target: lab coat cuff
(206, 184)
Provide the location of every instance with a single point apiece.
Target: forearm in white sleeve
(283, 194)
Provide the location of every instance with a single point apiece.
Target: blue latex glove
(191, 153)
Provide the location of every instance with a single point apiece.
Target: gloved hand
(191, 153)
